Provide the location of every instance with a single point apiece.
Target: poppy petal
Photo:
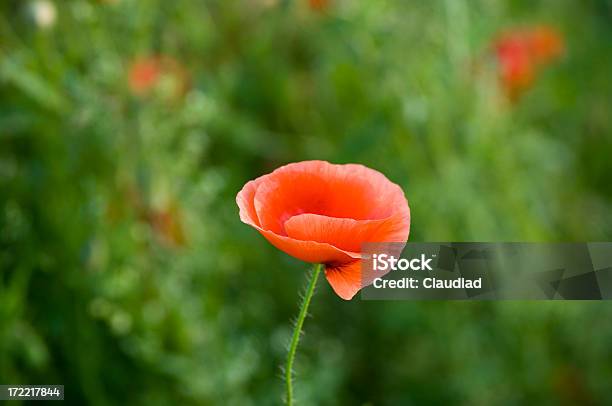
(345, 279)
(317, 187)
(244, 199)
(347, 234)
(309, 251)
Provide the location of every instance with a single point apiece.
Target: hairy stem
(295, 339)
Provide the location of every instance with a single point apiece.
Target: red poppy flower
(322, 213)
(546, 44)
(522, 52)
(318, 5)
(144, 74)
(147, 72)
(515, 63)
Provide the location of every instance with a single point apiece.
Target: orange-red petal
(318, 187)
(345, 279)
(348, 234)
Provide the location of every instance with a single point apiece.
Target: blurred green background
(126, 275)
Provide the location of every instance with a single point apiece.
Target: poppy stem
(295, 339)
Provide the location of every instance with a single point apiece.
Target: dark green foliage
(126, 275)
